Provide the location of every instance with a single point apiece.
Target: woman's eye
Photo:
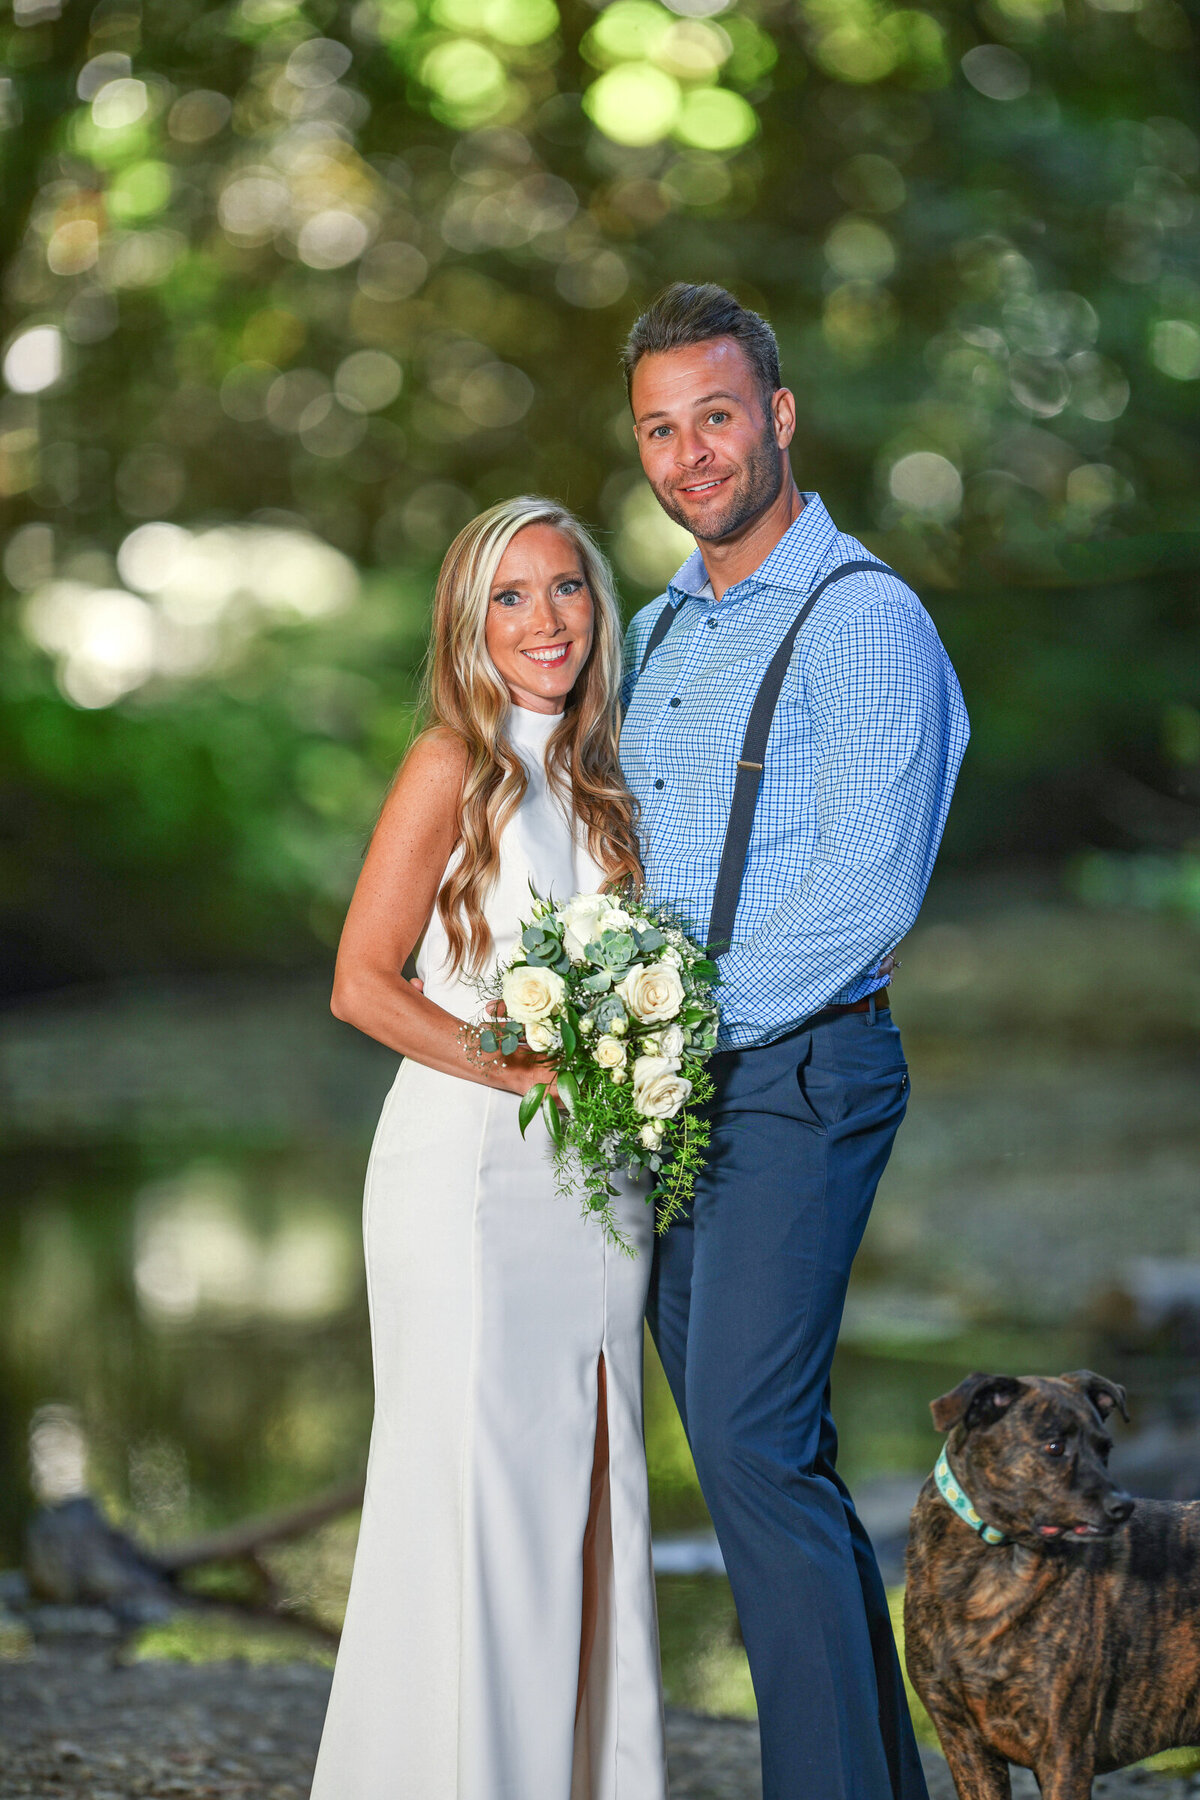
(507, 599)
(570, 588)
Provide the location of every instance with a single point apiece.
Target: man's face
(712, 447)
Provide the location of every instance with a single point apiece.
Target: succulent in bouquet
(613, 994)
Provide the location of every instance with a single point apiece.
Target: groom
(792, 800)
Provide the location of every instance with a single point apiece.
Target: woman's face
(539, 619)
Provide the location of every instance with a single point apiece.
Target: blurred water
(182, 1315)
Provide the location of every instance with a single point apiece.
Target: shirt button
(660, 782)
(712, 624)
(676, 701)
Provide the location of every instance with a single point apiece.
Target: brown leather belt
(879, 998)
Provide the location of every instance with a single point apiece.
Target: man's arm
(890, 729)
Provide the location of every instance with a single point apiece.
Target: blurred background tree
(290, 290)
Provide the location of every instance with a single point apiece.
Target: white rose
(580, 919)
(648, 1137)
(542, 1037)
(531, 993)
(672, 956)
(652, 993)
(651, 1045)
(658, 1092)
(609, 1052)
(670, 1042)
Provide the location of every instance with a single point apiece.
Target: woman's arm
(391, 906)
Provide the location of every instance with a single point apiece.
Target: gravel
(76, 1721)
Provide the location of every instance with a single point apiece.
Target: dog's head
(1032, 1454)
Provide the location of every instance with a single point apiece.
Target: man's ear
(782, 408)
(1103, 1394)
(977, 1401)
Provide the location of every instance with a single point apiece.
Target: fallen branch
(239, 1543)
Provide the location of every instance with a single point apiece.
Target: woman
(500, 1639)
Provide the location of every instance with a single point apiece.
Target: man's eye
(660, 431)
(717, 418)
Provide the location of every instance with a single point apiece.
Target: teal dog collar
(958, 1502)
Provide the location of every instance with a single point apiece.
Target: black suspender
(742, 808)
(659, 630)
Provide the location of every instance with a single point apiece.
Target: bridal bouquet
(618, 999)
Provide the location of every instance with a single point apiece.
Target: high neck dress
(492, 1300)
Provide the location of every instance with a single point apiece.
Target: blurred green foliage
(290, 289)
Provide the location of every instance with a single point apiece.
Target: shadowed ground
(79, 1724)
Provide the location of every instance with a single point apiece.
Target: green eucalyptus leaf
(488, 1040)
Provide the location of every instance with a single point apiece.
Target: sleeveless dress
(491, 1300)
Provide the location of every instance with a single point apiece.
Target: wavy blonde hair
(466, 695)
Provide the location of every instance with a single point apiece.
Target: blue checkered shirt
(859, 770)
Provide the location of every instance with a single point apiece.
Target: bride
(500, 1639)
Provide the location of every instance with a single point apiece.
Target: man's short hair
(685, 314)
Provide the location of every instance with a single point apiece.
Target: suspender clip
(749, 765)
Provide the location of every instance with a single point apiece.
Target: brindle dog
(1073, 1647)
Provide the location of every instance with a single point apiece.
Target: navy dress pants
(745, 1303)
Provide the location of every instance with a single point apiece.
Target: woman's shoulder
(437, 757)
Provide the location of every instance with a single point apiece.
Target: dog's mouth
(1074, 1533)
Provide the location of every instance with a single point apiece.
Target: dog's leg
(979, 1772)
(1067, 1781)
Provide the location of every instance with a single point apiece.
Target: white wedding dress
(491, 1301)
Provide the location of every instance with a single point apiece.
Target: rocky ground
(74, 1721)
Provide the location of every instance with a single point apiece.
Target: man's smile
(704, 487)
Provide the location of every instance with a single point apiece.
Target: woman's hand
(517, 1073)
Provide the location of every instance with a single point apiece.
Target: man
(859, 763)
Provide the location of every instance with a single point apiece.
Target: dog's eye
(1056, 1447)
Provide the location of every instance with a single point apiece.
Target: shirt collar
(800, 550)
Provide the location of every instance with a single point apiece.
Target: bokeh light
(997, 71)
(634, 103)
(34, 360)
(928, 484)
(1175, 347)
(715, 119)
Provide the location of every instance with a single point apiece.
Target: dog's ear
(979, 1400)
(1102, 1393)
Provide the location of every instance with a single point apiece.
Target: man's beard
(757, 485)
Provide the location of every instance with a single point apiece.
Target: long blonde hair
(466, 695)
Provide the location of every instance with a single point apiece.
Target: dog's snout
(1118, 1507)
